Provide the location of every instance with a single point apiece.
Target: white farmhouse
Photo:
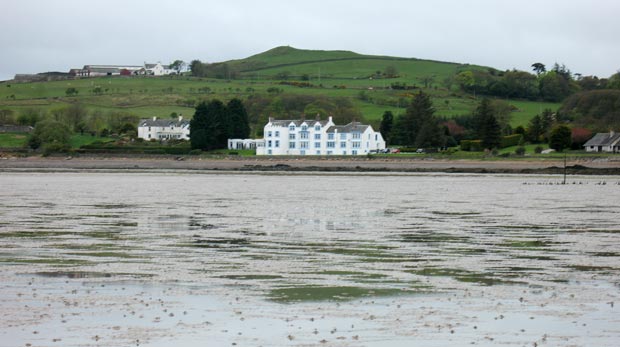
(604, 142)
(158, 69)
(163, 129)
(318, 137)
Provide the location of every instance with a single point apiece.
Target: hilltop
(281, 81)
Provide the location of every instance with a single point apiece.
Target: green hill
(364, 85)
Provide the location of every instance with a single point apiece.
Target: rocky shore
(602, 166)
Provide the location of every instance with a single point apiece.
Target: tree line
(419, 127)
(552, 85)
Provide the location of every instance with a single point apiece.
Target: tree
(50, 134)
(197, 68)
(209, 127)
(487, 127)
(579, 136)
(390, 71)
(535, 129)
(74, 116)
(385, 128)
(238, 120)
(614, 81)
(418, 126)
(560, 138)
(178, 66)
(539, 68)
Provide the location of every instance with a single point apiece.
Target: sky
(56, 35)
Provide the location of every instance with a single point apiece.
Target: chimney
(270, 119)
(180, 118)
(330, 119)
(611, 133)
(154, 117)
(318, 116)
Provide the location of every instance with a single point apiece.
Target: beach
(602, 166)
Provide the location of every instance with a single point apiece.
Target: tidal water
(226, 259)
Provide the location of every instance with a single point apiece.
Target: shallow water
(94, 259)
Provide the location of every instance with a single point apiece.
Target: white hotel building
(318, 137)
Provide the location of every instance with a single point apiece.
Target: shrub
(195, 151)
(510, 140)
(471, 145)
(520, 150)
(538, 149)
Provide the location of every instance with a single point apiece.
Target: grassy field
(19, 140)
(330, 73)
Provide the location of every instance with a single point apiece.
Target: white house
(163, 129)
(158, 69)
(318, 137)
(244, 143)
(604, 142)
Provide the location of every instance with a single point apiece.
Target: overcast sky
(56, 35)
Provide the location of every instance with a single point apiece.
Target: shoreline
(272, 164)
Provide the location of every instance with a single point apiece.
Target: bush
(520, 150)
(538, 149)
(471, 145)
(510, 140)
(195, 151)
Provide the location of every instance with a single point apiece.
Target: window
(291, 145)
(149, 136)
(343, 145)
(303, 144)
(303, 135)
(356, 145)
(291, 136)
(317, 127)
(277, 133)
(317, 136)
(269, 134)
(330, 152)
(356, 135)
(330, 136)
(304, 128)
(318, 152)
(317, 145)
(376, 137)
(149, 128)
(354, 152)
(331, 144)
(277, 143)
(291, 127)
(269, 152)
(302, 152)
(343, 136)
(269, 143)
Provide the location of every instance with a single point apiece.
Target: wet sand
(603, 166)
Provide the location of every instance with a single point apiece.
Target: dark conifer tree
(385, 128)
(239, 121)
(488, 129)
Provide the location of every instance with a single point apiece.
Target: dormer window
(304, 127)
(291, 127)
(317, 127)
